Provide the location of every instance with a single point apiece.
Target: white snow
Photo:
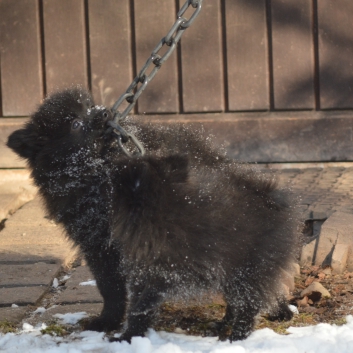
(39, 310)
(65, 278)
(71, 318)
(294, 309)
(29, 328)
(323, 338)
(55, 283)
(90, 282)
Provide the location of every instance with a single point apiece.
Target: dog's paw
(122, 338)
(101, 324)
(283, 314)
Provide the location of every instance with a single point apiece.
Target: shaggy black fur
(180, 220)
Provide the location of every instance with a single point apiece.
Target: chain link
(171, 40)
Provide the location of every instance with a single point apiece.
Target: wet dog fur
(181, 220)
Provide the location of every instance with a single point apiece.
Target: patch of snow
(294, 309)
(39, 310)
(71, 318)
(322, 338)
(65, 278)
(26, 328)
(55, 283)
(89, 283)
(14, 306)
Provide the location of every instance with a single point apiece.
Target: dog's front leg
(112, 286)
(144, 303)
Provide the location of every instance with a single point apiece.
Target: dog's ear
(25, 142)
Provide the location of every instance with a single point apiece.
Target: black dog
(180, 220)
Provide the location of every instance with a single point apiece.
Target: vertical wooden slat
(21, 69)
(335, 19)
(202, 61)
(65, 43)
(293, 54)
(247, 57)
(110, 49)
(153, 19)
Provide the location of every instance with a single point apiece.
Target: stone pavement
(39, 267)
(322, 190)
(33, 250)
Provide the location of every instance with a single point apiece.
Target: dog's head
(64, 124)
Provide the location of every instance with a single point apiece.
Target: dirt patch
(330, 310)
(313, 309)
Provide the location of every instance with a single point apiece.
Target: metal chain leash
(171, 40)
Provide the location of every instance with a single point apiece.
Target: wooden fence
(272, 78)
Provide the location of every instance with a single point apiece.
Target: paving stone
(307, 254)
(21, 275)
(336, 230)
(319, 212)
(16, 189)
(21, 234)
(21, 295)
(75, 293)
(29, 235)
(13, 315)
(33, 253)
(347, 209)
(326, 242)
(339, 258)
(31, 213)
(14, 175)
(320, 186)
(32, 250)
(10, 203)
(296, 269)
(306, 215)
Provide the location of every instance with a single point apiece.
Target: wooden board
(20, 57)
(260, 137)
(153, 20)
(65, 43)
(293, 54)
(202, 61)
(336, 53)
(110, 49)
(247, 55)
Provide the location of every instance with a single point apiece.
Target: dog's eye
(76, 124)
(105, 115)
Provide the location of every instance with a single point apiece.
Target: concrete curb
(333, 245)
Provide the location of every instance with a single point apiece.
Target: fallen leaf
(309, 280)
(320, 276)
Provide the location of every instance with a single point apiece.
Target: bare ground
(313, 309)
